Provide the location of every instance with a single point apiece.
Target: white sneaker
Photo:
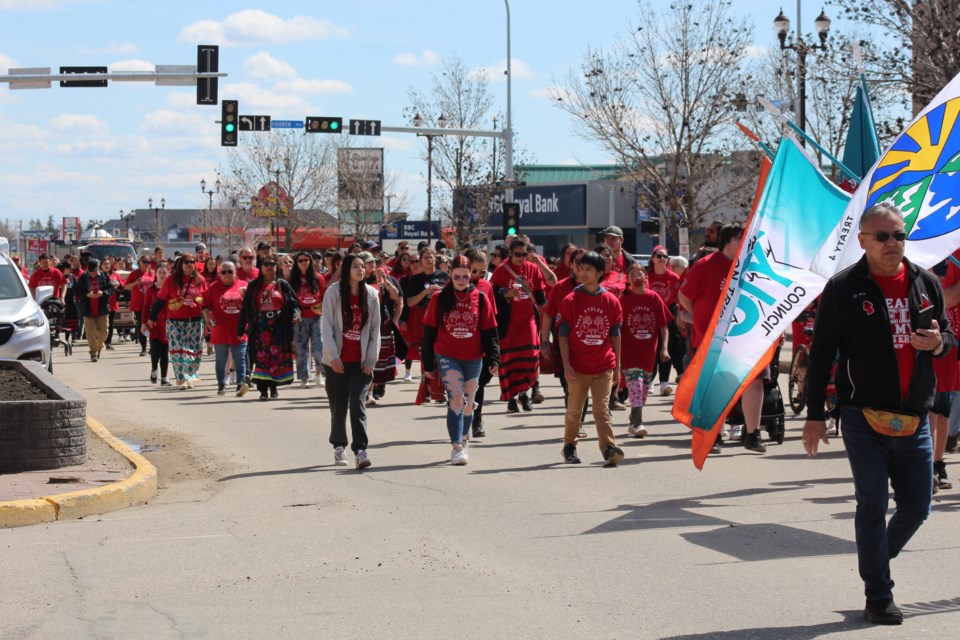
(362, 460)
(408, 377)
(232, 379)
(304, 384)
(181, 384)
(340, 457)
(736, 430)
(458, 456)
(637, 431)
(319, 379)
(665, 389)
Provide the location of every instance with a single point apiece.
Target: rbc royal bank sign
(546, 206)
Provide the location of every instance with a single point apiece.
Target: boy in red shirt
(590, 319)
(46, 276)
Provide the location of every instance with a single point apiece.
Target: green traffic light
(511, 231)
(334, 125)
(229, 128)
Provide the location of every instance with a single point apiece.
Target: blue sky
(92, 152)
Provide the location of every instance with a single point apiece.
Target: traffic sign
(287, 124)
(365, 127)
(254, 123)
(80, 71)
(208, 61)
(511, 184)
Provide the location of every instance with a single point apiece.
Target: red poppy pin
(925, 303)
(868, 307)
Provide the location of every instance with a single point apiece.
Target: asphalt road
(255, 534)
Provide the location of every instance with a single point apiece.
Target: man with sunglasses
(246, 269)
(887, 319)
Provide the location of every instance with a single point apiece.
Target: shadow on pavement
(852, 621)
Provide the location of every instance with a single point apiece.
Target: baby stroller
(772, 413)
(56, 313)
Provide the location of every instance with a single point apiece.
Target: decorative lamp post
(781, 25)
(203, 189)
(156, 217)
(418, 122)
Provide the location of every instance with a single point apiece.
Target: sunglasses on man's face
(246, 257)
(517, 254)
(227, 273)
(268, 264)
(661, 256)
(883, 236)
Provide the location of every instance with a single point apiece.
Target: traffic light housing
(228, 123)
(511, 219)
(323, 124)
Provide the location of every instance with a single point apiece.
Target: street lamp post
(156, 217)
(274, 226)
(782, 26)
(126, 223)
(418, 122)
(203, 189)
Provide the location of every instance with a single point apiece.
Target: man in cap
(200, 252)
(613, 238)
(263, 250)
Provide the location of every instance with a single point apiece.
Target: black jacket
(852, 317)
(82, 288)
(249, 315)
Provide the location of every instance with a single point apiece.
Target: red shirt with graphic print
(895, 290)
(225, 303)
(592, 319)
(350, 347)
(460, 335)
(644, 315)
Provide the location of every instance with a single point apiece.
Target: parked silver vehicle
(24, 330)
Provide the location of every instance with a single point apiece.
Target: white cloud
(253, 96)
(498, 72)
(412, 59)
(550, 93)
(132, 65)
(79, 124)
(253, 27)
(396, 144)
(263, 66)
(303, 86)
(754, 51)
(7, 63)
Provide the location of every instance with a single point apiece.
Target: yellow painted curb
(136, 489)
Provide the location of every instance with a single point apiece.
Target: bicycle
(797, 381)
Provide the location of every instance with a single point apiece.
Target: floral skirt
(185, 338)
(273, 358)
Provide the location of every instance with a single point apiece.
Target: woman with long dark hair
(309, 289)
(270, 310)
(420, 288)
(563, 268)
(666, 283)
(459, 340)
(350, 325)
(159, 348)
(182, 293)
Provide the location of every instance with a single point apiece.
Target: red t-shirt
(666, 285)
(136, 293)
(621, 263)
(895, 290)
(643, 317)
(521, 307)
(484, 287)
(247, 276)
(459, 337)
(52, 277)
(563, 288)
(95, 302)
(117, 285)
(269, 298)
(350, 347)
(703, 283)
(591, 318)
(615, 282)
(183, 299)
(159, 331)
(225, 304)
(311, 304)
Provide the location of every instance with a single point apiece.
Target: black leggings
(678, 350)
(159, 356)
(109, 339)
(137, 335)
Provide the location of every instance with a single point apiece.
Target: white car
(24, 330)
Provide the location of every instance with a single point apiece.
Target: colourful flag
(768, 286)
(920, 175)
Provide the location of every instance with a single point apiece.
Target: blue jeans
(460, 379)
(954, 420)
(307, 340)
(905, 462)
(239, 353)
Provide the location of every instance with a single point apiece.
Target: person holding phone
(887, 318)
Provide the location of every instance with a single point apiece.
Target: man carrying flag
(887, 318)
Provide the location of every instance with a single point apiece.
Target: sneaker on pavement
(612, 455)
(304, 384)
(717, 444)
(754, 442)
(458, 456)
(512, 406)
(108, 347)
(319, 379)
(525, 402)
(407, 377)
(242, 389)
(537, 397)
(940, 473)
(153, 376)
(164, 382)
(883, 611)
(570, 454)
(665, 389)
(232, 378)
(637, 430)
(616, 405)
(362, 460)
(143, 353)
(340, 457)
(371, 401)
(477, 428)
(221, 389)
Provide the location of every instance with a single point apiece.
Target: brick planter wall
(42, 434)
